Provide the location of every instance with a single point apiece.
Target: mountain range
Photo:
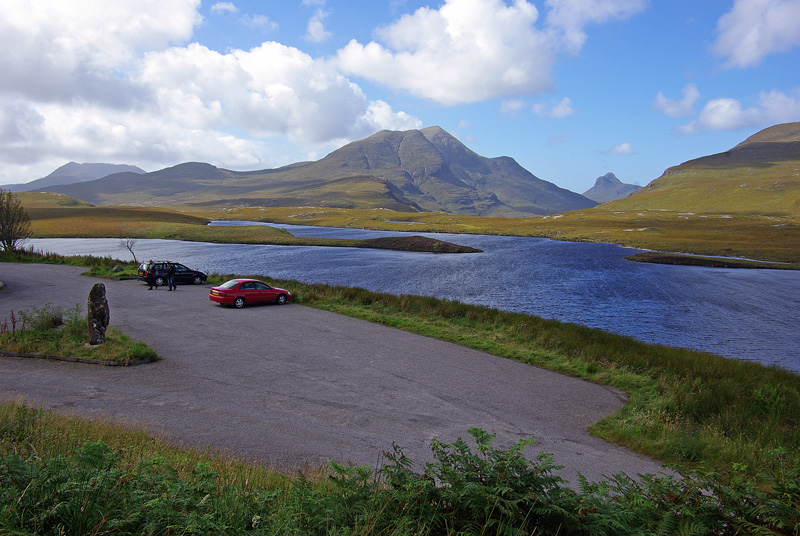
(609, 188)
(430, 170)
(71, 173)
(414, 170)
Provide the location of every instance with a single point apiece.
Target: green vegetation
(58, 216)
(684, 407)
(767, 238)
(15, 223)
(710, 262)
(51, 332)
(100, 489)
(730, 425)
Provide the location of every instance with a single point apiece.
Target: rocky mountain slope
(415, 170)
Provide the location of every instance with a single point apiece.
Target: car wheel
(281, 299)
(159, 281)
(238, 302)
(197, 280)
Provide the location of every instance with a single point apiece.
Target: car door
(182, 274)
(265, 292)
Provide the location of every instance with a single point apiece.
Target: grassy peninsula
(59, 216)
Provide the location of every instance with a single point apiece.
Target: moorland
(736, 423)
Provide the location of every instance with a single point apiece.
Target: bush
(489, 491)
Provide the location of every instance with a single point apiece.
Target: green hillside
(759, 176)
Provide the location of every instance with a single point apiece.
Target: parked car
(182, 273)
(238, 292)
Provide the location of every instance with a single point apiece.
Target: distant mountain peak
(73, 172)
(609, 188)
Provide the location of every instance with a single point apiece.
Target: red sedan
(237, 292)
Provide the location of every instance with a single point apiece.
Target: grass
(52, 220)
(52, 332)
(752, 236)
(684, 407)
(731, 426)
(770, 238)
(128, 483)
(709, 262)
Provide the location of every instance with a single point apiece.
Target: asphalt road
(290, 385)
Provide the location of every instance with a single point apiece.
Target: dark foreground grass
(113, 486)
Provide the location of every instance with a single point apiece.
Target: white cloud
(561, 109)
(124, 95)
(473, 50)
(466, 51)
(224, 7)
(681, 108)
(728, 114)
(511, 107)
(260, 21)
(622, 149)
(85, 49)
(315, 32)
(570, 17)
(753, 29)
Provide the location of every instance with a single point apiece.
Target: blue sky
(572, 89)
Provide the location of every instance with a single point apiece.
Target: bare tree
(15, 224)
(128, 244)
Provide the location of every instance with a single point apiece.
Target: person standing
(151, 276)
(171, 276)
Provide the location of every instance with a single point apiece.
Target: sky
(571, 89)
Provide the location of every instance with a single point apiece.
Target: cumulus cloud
(570, 17)
(753, 29)
(622, 149)
(130, 91)
(728, 114)
(678, 108)
(315, 31)
(51, 42)
(466, 51)
(473, 50)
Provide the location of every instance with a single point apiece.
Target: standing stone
(97, 315)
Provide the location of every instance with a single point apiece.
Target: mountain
(758, 176)
(71, 173)
(414, 170)
(609, 188)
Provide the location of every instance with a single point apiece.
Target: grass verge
(50, 332)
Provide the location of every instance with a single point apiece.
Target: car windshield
(229, 284)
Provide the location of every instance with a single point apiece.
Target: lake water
(742, 314)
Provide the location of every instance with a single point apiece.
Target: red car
(237, 292)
